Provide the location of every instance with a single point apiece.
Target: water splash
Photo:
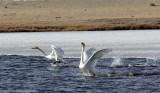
(155, 58)
(117, 62)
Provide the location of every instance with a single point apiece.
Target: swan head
(83, 44)
(52, 46)
(35, 47)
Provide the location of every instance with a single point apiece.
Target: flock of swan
(88, 57)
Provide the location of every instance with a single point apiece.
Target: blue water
(132, 67)
(33, 74)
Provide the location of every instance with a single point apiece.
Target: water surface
(34, 74)
(132, 67)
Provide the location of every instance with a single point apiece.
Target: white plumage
(89, 59)
(56, 55)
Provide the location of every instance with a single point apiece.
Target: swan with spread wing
(56, 55)
(89, 59)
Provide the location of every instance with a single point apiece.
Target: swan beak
(83, 43)
(35, 47)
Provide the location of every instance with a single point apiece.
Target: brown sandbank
(78, 15)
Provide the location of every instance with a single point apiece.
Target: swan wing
(58, 52)
(88, 53)
(93, 59)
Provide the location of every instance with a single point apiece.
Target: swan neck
(42, 51)
(82, 55)
(52, 52)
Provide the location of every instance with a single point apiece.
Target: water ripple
(38, 74)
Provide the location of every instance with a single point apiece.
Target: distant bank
(78, 15)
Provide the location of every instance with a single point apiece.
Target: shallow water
(133, 66)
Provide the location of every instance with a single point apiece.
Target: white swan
(57, 51)
(89, 59)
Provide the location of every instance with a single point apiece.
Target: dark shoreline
(87, 25)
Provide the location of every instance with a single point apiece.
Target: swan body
(57, 51)
(89, 59)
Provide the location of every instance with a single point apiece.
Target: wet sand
(78, 15)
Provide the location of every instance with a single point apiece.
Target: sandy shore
(78, 15)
